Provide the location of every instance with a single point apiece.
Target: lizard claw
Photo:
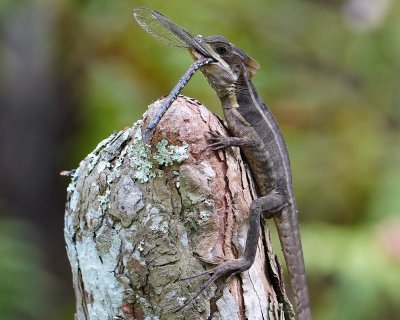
(228, 268)
(197, 275)
(211, 271)
(215, 262)
(214, 136)
(217, 141)
(214, 142)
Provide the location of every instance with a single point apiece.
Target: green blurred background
(72, 72)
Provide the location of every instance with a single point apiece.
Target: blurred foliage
(25, 287)
(331, 75)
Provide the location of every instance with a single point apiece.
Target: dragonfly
(169, 33)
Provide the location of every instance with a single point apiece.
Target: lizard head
(230, 66)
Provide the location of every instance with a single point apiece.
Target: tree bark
(139, 218)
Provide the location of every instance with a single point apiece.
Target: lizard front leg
(218, 141)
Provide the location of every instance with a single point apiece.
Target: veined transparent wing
(165, 31)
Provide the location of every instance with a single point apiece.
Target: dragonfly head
(231, 65)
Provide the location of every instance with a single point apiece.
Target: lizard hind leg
(268, 203)
(226, 269)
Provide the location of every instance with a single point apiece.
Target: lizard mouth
(251, 65)
(195, 54)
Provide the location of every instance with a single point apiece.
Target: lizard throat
(231, 101)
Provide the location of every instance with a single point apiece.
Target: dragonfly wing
(149, 20)
(164, 30)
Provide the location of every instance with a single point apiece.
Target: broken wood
(139, 218)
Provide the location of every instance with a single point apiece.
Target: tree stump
(140, 217)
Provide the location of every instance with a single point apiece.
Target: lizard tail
(289, 235)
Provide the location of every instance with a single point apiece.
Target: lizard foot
(227, 269)
(217, 141)
(216, 261)
(211, 271)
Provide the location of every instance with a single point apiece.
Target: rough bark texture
(139, 218)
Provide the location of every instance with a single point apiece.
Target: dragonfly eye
(221, 50)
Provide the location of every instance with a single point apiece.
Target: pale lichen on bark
(139, 218)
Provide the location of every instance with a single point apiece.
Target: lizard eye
(221, 50)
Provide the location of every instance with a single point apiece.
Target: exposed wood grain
(130, 240)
